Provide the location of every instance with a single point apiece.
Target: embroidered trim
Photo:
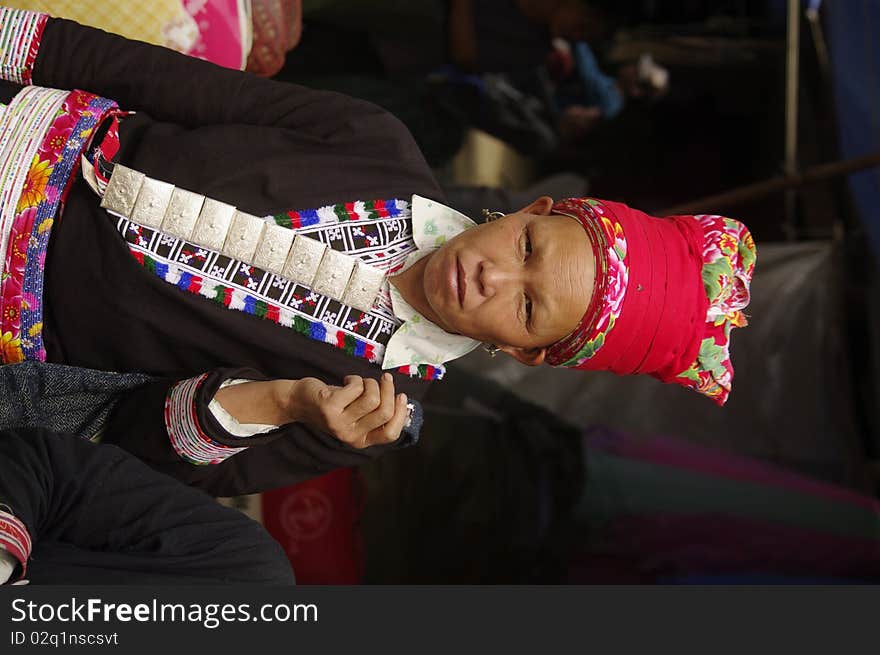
(44, 190)
(182, 424)
(24, 127)
(423, 371)
(15, 539)
(612, 277)
(20, 35)
(332, 214)
(378, 231)
(251, 240)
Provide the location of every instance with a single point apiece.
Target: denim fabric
(60, 398)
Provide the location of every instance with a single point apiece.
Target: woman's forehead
(567, 275)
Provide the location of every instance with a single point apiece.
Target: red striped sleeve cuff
(188, 437)
(20, 35)
(15, 539)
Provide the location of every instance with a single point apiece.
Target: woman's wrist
(262, 402)
(284, 393)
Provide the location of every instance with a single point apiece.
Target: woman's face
(522, 282)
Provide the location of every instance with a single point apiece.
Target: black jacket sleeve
(173, 87)
(148, 423)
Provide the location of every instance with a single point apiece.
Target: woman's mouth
(462, 283)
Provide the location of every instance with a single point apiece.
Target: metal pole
(792, 52)
(819, 43)
(760, 190)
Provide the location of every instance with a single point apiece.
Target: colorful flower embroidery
(59, 134)
(728, 264)
(11, 349)
(35, 184)
(607, 233)
(21, 289)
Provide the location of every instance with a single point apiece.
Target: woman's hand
(362, 413)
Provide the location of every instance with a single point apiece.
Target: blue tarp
(853, 31)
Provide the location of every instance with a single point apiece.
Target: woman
(161, 263)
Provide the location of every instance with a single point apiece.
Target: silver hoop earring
(491, 348)
(488, 216)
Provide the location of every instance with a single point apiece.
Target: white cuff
(230, 423)
(7, 565)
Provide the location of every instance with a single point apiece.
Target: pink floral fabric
(224, 32)
(612, 278)
(720, 249)
(729, 256)
(44, 189)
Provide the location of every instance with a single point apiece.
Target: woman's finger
(368, 400)
(384, 411)
(341, 397)
(392, 429)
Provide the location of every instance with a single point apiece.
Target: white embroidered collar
(418, 340)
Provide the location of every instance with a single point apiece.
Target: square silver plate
(152, 201)
(122, 190)
(302, 262)
(244, 234)
(273, 248)
(363, 287)
(213, 224)
(333, 274)
(182, 214)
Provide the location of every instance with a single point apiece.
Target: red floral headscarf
(667, 293)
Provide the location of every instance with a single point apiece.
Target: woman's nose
(493, 277)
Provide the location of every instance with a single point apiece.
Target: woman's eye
(528, 309)
(527, 246)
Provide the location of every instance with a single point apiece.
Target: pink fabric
(672, 544)
(659, 326)
(666, 294)
(220, 36)
(693, 457)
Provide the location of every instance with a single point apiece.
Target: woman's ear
(527, 356)
(540, 207)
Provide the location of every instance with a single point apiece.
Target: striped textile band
(347, 211)
(378, 232)
(15, 539)
(24, 125)
(20, 35)
(253, 291)
(87, 110)
(254, 265)
(42, 133)
(182, 423)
